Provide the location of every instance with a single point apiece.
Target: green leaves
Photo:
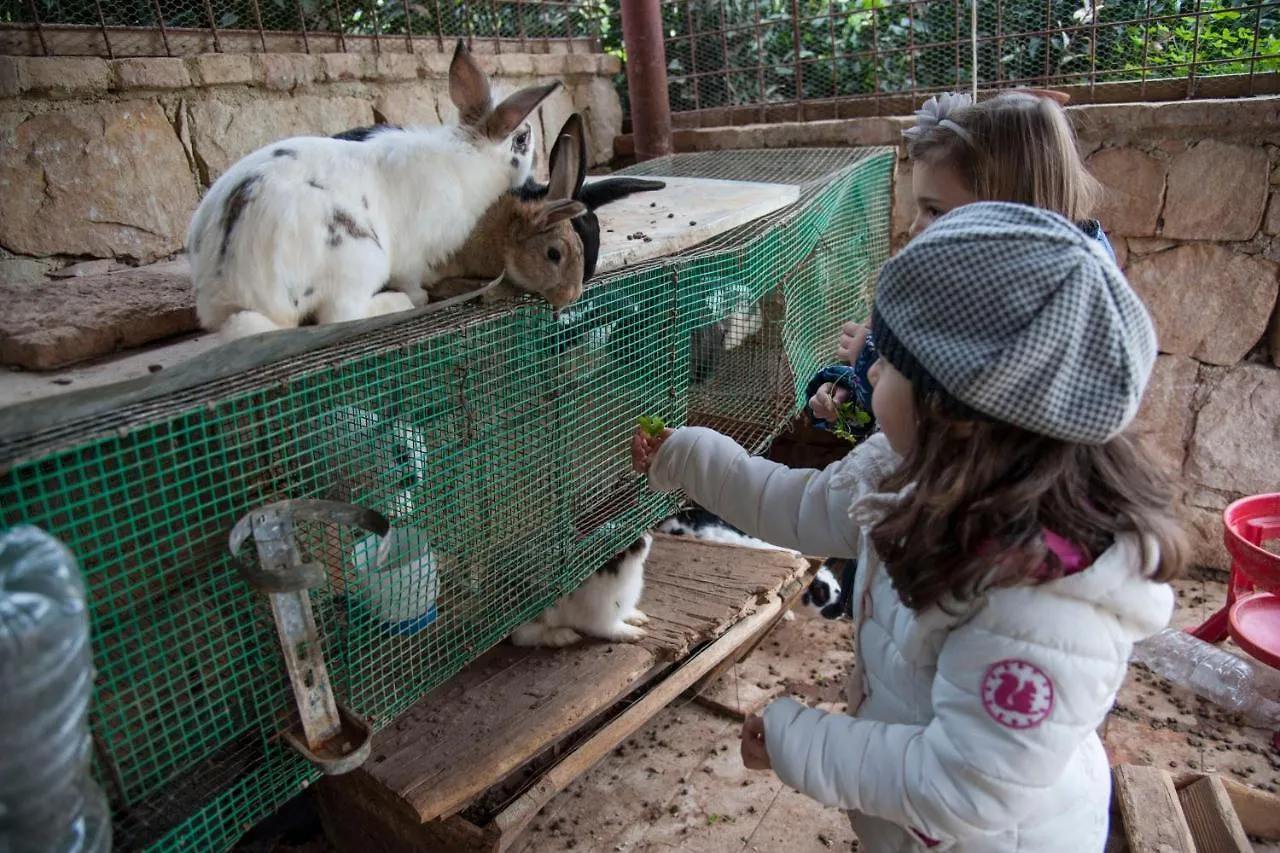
(652, 426)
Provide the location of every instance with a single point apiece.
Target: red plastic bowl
(1255, 626)
(1246, 524)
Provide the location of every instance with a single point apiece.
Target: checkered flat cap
(1012, 313)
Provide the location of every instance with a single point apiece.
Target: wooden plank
(1153, 820)
(515, 817)
(1213, 821)
(454, 744)
(1258, 811)
(512, 703)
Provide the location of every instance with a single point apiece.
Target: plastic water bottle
(1235, 684)
(49, 803)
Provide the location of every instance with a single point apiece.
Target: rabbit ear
(468, 87)
(600, 193)
(554, 212)
(509, 114)
(568, 160)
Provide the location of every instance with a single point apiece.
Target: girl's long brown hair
(984, 492)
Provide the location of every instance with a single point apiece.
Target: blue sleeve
(856, 381)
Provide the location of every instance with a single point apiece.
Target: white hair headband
(934, 113)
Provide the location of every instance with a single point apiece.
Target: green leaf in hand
(652, 425)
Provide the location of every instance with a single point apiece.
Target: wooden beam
(511, 821)
(1152, 815)
(1213, 821)
(1258, 811)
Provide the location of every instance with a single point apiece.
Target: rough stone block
(610, 64)
(904, 200)
(10, 84)
(395, 66)
(412, 104)
(551, 115)
(283, 72)
(341, 66)
(221, 69)
(1134, 190)
(58, 324)
(515, 65)
(152, 73)
(64, 75)
(602, 115)
(1236, 444)
(1121, 247)
(106, 180)
(1273, 336)
(23, 271)
(223, 131)
(1165, 416)
(1207, 301)
(1217, 191)
(579, 63)
(436, 63)
(1204, 528)
(548, 64)
(1271, 225)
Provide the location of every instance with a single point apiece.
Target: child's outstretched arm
(792, 508)
(1010, 715)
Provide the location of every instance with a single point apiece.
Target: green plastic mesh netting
(494, 438)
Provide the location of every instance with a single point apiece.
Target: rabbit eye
(553, 255)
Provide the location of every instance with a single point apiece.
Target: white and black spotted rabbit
(606, 606)
(317, 229)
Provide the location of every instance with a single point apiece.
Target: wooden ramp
(706, 601)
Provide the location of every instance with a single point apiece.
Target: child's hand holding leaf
(647, 441)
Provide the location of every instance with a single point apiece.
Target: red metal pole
(647, 77)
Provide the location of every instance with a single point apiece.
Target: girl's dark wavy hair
(984, 492)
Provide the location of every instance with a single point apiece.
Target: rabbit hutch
(436, 480)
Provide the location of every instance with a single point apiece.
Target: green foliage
(652, 426)
(742, 52)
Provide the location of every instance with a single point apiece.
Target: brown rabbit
(532, 243)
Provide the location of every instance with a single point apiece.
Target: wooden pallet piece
(1257, 810)
(1150, 810)
(1214, 824)
(513, 704)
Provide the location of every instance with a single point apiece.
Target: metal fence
(744, 61)
(124, 28)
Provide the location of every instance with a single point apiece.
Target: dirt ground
(679, 783)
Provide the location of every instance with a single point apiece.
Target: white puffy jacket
(973, 733)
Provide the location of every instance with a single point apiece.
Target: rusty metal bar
(647, 77)
(439, 26)
(999, 41)
(35, 16)
(102, 22)
(342, 33)
(213, 25)
(164, 34)
(497, 27)
(692, 72)
(1195, 54)
(1253, 54)
(257, 19)
(755, 7)
(524, 46)
(377, 27)
(831, 33)
(408, 27)
(471, 30)
(795, 46)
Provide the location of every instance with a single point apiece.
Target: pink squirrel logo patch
(1017, 694)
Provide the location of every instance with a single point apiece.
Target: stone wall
(1193, 209)
(107, 159)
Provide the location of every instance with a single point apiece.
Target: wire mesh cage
(494, 440)
(739, 61)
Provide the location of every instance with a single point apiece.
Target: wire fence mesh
(493, 438)
(739, 61)
(118, 28)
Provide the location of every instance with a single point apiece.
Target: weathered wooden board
(687, 212)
